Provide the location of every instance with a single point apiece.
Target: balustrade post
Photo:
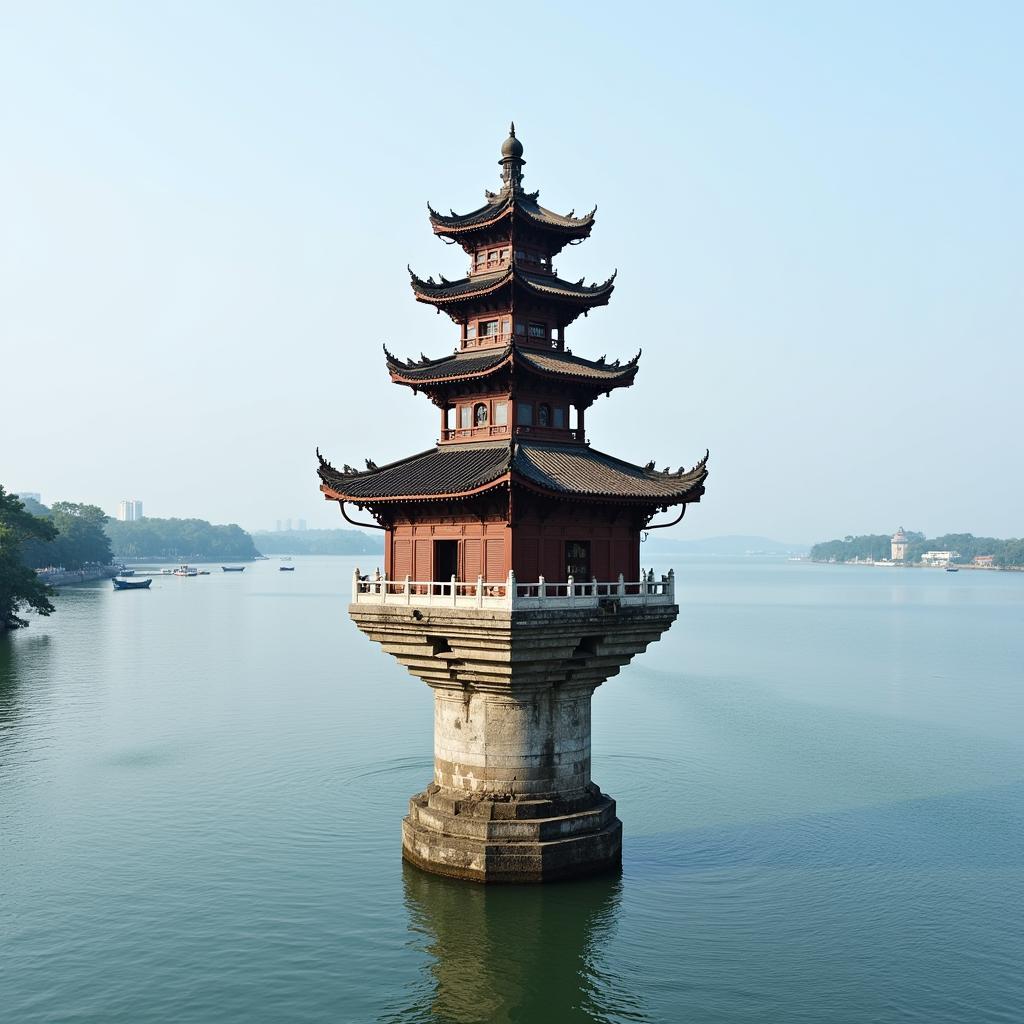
(479, 591)
(572, 590)
(408, 591)
(671, 588)
(593, 587)
(355, 585)
(622, 586)
(454, 590)
(540, 588)
(510, 589)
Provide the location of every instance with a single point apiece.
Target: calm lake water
(820, 771)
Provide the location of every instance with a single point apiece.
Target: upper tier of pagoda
(513, 214)
(511, 241)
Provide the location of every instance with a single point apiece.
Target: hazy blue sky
(206, 211)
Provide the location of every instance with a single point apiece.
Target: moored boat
(186, 570)
(131, 584)
(233, 568)
(287, 568)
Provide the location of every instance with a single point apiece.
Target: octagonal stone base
(512, 799)
(512, 840)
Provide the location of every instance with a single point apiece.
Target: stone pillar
(512, 799)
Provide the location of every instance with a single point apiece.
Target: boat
(287, 568)
(126, 572)
(952, 568)
(131, 584)
(186, 570)
(166, 572)
(233, 568)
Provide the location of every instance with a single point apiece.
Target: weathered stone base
(512, 840)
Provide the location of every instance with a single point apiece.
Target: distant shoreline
(966, 567)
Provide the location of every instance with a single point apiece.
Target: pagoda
(512, 582)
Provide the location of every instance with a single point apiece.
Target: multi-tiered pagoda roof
(512, 399)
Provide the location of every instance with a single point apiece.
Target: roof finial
(512, 159)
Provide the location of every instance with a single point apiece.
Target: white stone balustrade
(511, 593)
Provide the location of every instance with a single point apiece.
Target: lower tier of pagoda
(482, 510)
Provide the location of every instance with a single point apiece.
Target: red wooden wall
(534, 547)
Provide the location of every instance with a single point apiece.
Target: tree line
(182, 540)
(75, 535)
(876, 547)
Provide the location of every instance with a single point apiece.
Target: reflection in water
(515, 953)
(29, 655)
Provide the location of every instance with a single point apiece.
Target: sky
(206, 212)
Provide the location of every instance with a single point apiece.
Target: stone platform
(512, 799)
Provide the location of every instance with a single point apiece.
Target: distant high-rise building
(301, 524)
(129, 511)
(288, 524)
(277, 526)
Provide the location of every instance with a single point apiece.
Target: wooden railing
(510, 593)
(480, 433)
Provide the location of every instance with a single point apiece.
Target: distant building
(288, 525)
(129, 511)
(986, 561)
(29, 496)
(939, 557)
(277, 526)
(898, 544)
(301, 524)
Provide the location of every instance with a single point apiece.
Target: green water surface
(820, 771)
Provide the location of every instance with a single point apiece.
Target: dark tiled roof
(500, 204)
(569, 470)
(494, 208)
(564, 364)
(545, 361)
(449, 291)
(537, 213)
(546, 284)
(449, 470)
(540, 284)
(461, 364)
(576, 470)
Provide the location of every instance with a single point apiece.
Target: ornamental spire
(512, 161)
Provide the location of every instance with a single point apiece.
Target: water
(820, 771)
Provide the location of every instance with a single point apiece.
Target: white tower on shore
(898, 543)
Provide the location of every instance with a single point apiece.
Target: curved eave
(492, 214)
(419, 382)
(466, 224)
(595, 383)
(436, 295)
(578, 227)
(520, 360)
(598, 295)
(332, 494)
(460, 291)
(692, 494)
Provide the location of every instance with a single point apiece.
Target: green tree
(81, 538)
(186, 540)
(19, 585)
